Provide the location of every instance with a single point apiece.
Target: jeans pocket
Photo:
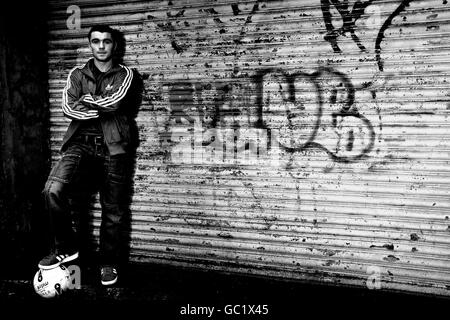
(119, 168)
(65, 168)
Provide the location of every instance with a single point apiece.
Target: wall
(301, 139)
(24, 151)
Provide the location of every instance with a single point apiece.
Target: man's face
(102, 45)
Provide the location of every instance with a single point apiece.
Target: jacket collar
(87, 68)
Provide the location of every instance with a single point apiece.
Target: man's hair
(103, 28)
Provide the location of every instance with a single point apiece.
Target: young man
(95, 152)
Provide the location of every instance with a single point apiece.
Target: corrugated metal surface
(302, 139)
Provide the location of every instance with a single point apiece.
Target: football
(53, 282)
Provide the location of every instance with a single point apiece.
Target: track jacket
(85, 99)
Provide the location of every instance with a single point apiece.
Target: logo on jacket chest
(109, 87)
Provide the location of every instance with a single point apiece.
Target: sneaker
(108, 275)
(54, 259)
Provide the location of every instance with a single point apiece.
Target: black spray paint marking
(349, 19)
(290, 79)
(235, 8)
(346, 111)
(181, 98)
(386, 25)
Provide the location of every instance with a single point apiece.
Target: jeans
(84, 169)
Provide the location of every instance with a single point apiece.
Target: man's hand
(83, 98)
(88, 102)
(83, 106)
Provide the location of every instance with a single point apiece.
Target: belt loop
(98, 140)
(91, 139)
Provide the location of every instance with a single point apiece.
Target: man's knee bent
(53, 189)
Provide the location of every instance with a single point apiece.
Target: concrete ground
(164, 292)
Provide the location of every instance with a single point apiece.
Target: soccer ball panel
(51, 283)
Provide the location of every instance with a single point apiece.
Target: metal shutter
(301, 139)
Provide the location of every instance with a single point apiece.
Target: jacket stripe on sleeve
(66, 107)
(117, 96)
